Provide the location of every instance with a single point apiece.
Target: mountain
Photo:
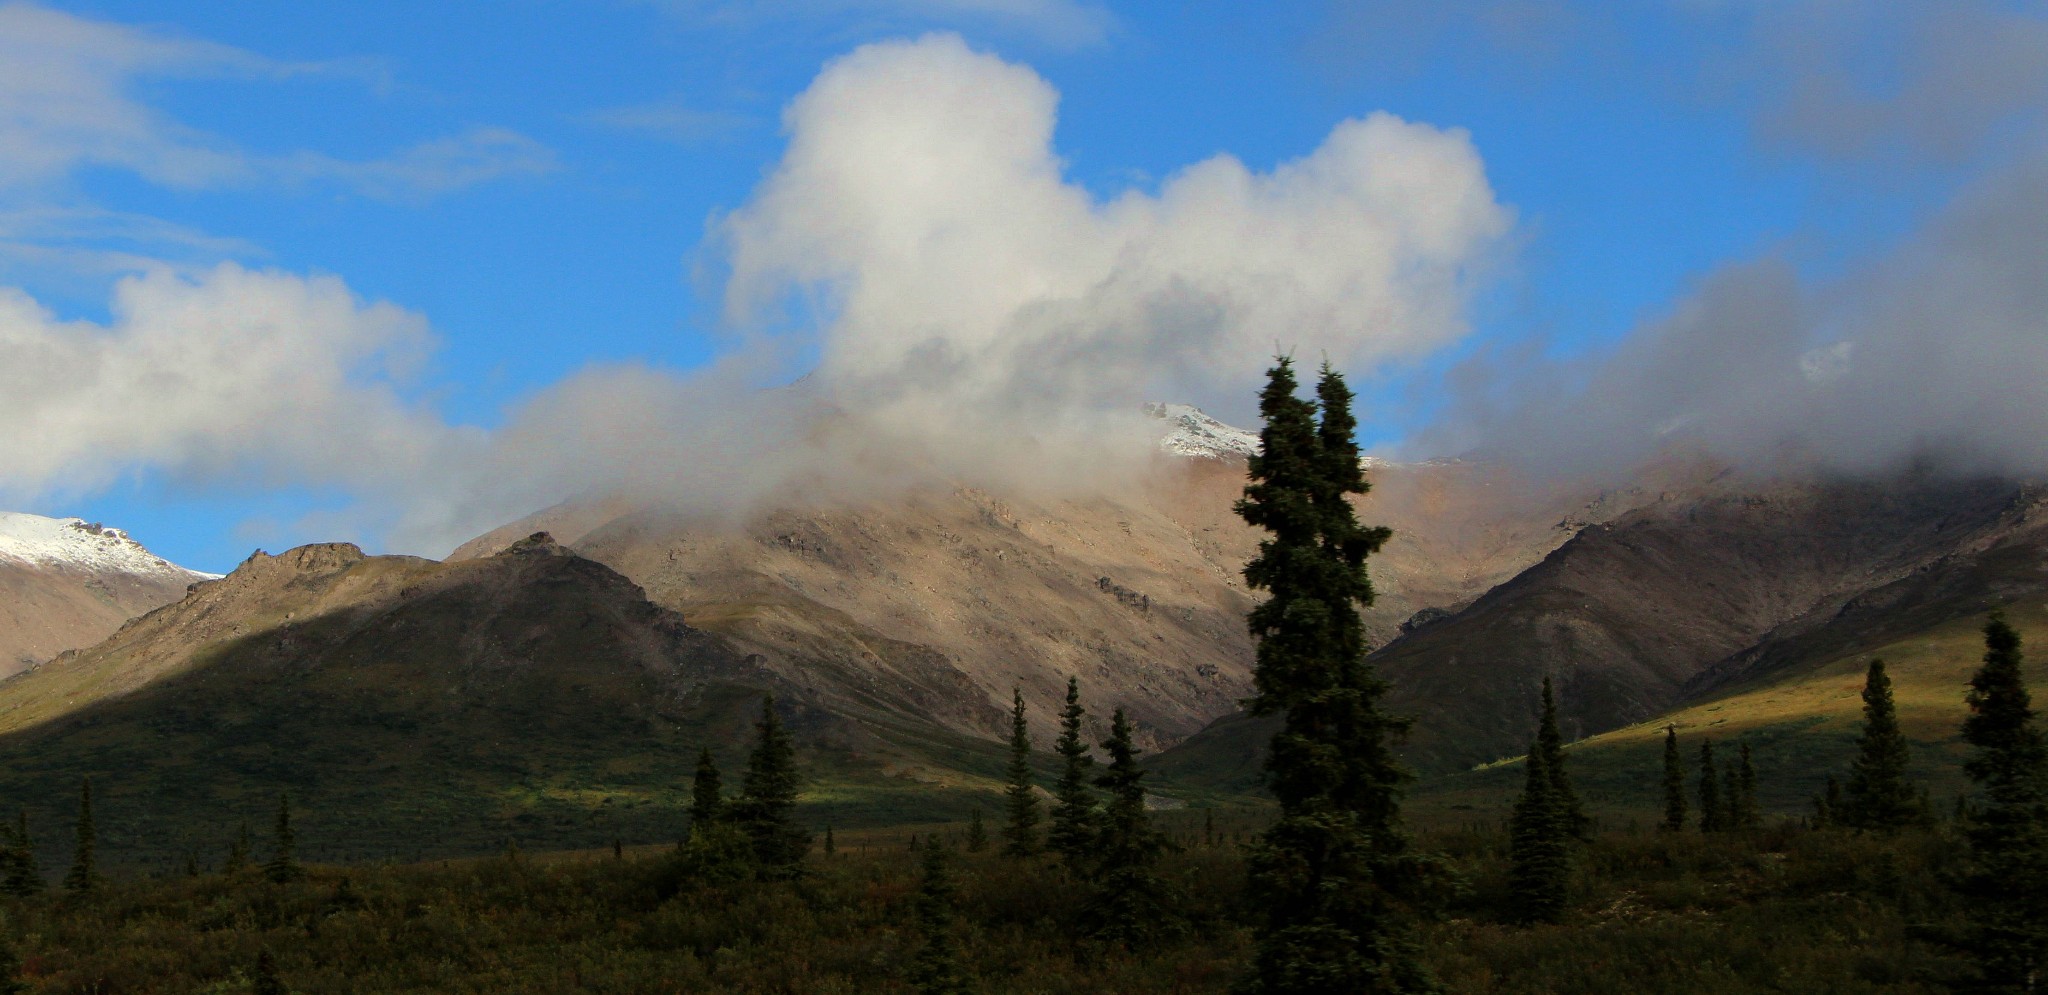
(958, 595)
(410, 706)
(1687, 598)
(66, 583)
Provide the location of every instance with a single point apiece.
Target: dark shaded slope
(422, 709)
(1670, 602)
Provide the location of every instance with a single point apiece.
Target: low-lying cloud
(1935, 353)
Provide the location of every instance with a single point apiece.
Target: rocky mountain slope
(407, 705)
(1686, 598)
(66, 583)
(961, 594)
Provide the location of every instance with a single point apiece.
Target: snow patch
(80, 545)
(1196, 434)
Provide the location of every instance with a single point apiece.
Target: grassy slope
(1800, 722)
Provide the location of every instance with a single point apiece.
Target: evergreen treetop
(1711, 810)
(1074, 812)
(1674, 782)
(936, 969)
(23, 877)
(1020, 798)
(84, 873)
(1331, 877)
(1130, 904)
(2007, 825)
(1877, 796)
(707, 798)
(1539, 837)
(282, 866)
(766, 808)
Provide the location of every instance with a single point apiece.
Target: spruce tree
(238, 853)
(1550, 742)
(977, 834)
(1074, 813)
(1827, 804)
(1877, 796)
(1710, 791)
(1130, 904)
(1539, 845)
(766, 808)
(1332, 881)
(1674, 782)
(1020, 798)
(24, 877)
(936, 969)
(2006, 886)
(707, 798)
(84, 874)
(1748, 815)
(830, 847)
(1731, 793)
(283, 866)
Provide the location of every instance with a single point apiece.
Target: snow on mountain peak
(81, 545)
(1196, 434)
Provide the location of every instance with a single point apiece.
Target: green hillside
(1799, 721)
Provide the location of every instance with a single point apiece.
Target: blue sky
(539, 186)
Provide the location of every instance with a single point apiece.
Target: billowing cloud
(922, 212)
(242, 375)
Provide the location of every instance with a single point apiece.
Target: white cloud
(236, 375)
(961, 275)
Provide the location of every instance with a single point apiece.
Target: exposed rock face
(956, 596)
(67, 583)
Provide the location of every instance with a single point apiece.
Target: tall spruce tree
(977, 834)
(1074, 813)
(1877, 796)
(238, 852)
(1711, 809)
(707, 794)
(1020, 797)
(24, 877)
(1674, 782)
(1539, 840)
(283, 866)
(1748, 814)
(1332, 878)
(766, 808)
(84, 873)
(936, 968)
(1130, 904)
(1550, 742)
(2007, 822)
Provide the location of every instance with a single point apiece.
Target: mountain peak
(77, 544)
(1196, 434)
